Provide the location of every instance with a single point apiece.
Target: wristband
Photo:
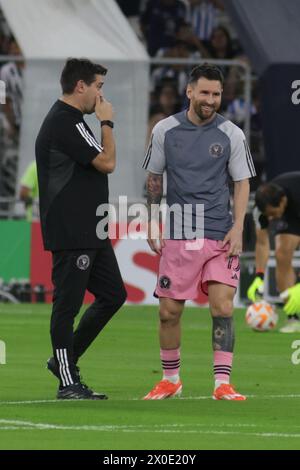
(260, 275)
(106, 122)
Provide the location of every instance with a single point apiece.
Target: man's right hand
(256, 289)
(155, 240)
(104, 110)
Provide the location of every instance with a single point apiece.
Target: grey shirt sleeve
(240, 164)
(155, 159)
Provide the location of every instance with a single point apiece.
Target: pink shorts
(186, 266)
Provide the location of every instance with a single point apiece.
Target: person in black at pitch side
(72, 173)
(278, 210)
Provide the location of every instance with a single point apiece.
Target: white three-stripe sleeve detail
(89, 137)
(96, 144)
(84, 136)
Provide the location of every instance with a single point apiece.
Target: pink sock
(170, 360)
(222, 365)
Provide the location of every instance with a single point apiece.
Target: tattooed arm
(154, 190)
(154, 196)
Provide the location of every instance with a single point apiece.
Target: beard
(204, 114)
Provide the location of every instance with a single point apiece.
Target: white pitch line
(28, 425)
(134, 426)
(227, 433)
(248, 396)
(36, 402)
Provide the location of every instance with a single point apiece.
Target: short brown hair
(79, 69)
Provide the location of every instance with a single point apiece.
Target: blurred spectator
(12, 74)
(221, 45)
(177, 73)
(29, 190)
(203, 17)
(186, 34)
(160, 21)
(257, 141)
(237, 112)
(166, 101)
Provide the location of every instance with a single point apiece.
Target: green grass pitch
(124, 363)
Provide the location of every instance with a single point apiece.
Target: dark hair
(268, 194)
(211, 72)
(79, 69)
(229, 48)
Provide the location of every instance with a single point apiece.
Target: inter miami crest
(164, 282)
(216, 150)
(83, 262)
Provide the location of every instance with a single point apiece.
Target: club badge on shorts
(164, 282)
(216, 150)
(83, 262)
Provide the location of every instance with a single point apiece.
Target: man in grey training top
(199, 150)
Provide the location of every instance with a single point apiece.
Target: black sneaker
(53, 367)
(79, 391)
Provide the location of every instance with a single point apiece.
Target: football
(261, 316)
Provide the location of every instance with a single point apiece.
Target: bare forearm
(105, 162)
(108, 143)
(154, 196)
(241, 198)
(154, 191)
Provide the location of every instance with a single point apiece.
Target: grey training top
(198, 161)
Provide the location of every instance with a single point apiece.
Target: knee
(166, 315)
(223, 308)
(113, 304)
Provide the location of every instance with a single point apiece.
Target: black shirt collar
(69, 108)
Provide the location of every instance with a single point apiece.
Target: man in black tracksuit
(278, 202)
(72, 172)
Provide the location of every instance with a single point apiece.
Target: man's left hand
(292, 306)
(235, 240)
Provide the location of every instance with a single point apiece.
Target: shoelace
(84, 386)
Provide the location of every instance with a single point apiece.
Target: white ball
(261, 316)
